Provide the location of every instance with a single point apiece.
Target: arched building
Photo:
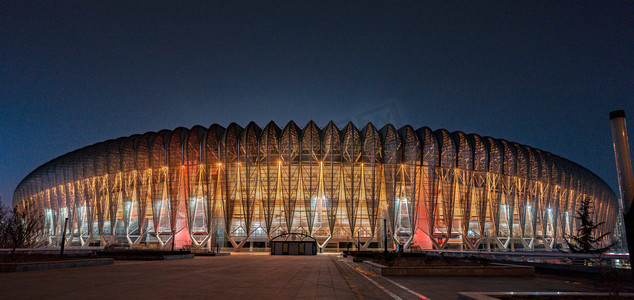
(435, 189)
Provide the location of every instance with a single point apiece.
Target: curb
(49, 265)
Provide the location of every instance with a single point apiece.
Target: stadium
(239, 187)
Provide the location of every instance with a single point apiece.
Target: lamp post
(385, 237)
(61, 251)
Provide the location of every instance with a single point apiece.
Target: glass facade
(209, 186)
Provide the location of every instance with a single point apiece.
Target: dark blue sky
(542, 74)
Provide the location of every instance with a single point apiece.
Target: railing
(613, 260)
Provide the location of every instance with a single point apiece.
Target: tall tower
(624, 170)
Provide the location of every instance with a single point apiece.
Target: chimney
(622, 156)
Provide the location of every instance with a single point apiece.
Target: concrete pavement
(222, 277)
(254, 277)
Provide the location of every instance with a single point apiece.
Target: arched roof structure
(320, 181)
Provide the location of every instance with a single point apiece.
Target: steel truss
(203, 186)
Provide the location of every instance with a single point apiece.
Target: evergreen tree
(584, 241)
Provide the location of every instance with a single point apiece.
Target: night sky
(541, 74)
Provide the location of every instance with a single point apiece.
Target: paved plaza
(246, 276)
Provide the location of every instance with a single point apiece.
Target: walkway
(254, 277)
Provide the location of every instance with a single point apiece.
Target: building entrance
(293, 244)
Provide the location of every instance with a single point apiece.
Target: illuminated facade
(203, 186)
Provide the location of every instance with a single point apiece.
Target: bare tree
(4, 212)
(23, 227)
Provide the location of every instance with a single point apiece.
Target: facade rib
(209, 186)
